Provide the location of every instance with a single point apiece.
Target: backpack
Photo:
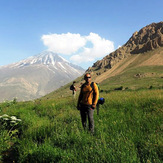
(101, 100)
(72, 87)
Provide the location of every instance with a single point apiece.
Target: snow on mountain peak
(51, 60)
(44, 58)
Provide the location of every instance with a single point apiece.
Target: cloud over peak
(79, 48)
(63, 43)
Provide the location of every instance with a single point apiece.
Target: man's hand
(93, 106)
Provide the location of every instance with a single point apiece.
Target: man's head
(87, 77)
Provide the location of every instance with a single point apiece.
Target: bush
(119, 88)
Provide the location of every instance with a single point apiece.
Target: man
(87, 101)
(73, 88)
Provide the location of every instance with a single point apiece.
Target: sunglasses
(88, 77)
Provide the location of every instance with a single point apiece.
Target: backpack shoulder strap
(92, 86)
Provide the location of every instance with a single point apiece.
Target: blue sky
(81, 31)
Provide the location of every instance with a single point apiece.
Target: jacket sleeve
(95, 94)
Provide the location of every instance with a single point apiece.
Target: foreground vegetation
(128, 129)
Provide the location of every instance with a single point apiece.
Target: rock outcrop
(147, 39)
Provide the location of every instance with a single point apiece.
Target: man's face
(88, 78)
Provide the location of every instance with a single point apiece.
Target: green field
(128, 129)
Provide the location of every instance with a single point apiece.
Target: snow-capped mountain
(36, 76)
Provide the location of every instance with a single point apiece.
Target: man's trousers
(86, 112)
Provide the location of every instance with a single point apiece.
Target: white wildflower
(12, 121)
(19, 120)
(13, 118)
(5, 116)
(6, 119)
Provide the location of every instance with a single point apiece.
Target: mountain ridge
(45, 58)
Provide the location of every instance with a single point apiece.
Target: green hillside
(136, 78)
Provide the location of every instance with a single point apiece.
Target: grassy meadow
(128, 129)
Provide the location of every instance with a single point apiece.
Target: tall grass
(128, 129)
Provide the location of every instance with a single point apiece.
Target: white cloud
(78, 46)
(63, 43)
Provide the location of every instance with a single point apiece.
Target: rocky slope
(147, 39)
(36, 76)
